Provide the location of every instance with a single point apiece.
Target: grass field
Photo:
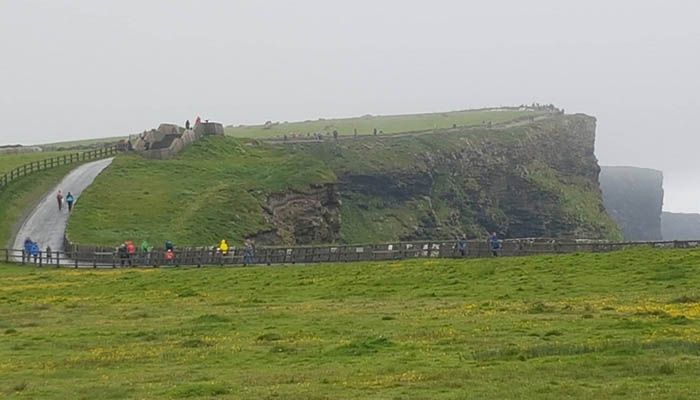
(9, 162)
(386, 123)
(82, 143)
(584, 326)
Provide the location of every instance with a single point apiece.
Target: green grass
(387, 123)
(9, 162)
(82, 144)
(24, 193)
(215, 189)
(581, 326)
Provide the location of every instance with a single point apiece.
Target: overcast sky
(81, 69)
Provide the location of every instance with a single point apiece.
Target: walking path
(328, 139)
(46, 225)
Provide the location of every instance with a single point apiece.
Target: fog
(82, 69)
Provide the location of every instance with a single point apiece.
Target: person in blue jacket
(69, 200)
(495, 244)
(31, 249)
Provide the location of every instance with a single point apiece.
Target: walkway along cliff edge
(84, 256)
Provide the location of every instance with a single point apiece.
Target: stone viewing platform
(169, 139)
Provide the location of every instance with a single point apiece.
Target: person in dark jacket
(462, 246)
(123, 254)
(249, 252)
(495, 244)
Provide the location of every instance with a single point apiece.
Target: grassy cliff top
(581, 326)
(386, 123)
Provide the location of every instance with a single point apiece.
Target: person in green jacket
(146, 250)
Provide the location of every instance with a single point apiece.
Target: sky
(85, 69)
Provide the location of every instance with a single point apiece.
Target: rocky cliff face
(533, 180)
(680, 226)
(634, 197)
(311, 216)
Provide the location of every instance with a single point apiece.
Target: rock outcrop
(633, 197)
(680, 226)
(312, 216)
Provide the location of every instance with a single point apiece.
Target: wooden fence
(53, 162)
(82, 256)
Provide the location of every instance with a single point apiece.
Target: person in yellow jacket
(223, 247)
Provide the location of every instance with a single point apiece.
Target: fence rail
(53, 162)
(78, 256)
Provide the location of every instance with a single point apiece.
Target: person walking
(69, 200)
(122, 253)
(187, 124)
(462, 246)
(27, 249)
(169, 256)
(131, 251)
(48, 255)
(223, 247)
(249, 252)
(59, 199)
(146, 251)
(494, 244)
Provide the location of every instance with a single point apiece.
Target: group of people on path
(128, 254)
(495, 245)
(70, 199)
(32, 251)
(223, 249)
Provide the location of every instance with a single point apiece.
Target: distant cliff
(678, 226)
(633, 197)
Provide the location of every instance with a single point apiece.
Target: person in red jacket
(131, 251)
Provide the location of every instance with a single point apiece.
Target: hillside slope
(534, 179)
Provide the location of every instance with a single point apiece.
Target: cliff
(538, 179)
(534, 177)
(633, 198)
(680, 226)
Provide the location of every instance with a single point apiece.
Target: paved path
(46, 225)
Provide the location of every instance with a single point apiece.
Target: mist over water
(84, 69)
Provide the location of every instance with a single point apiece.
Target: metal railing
(53, 162)
(78, 256)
